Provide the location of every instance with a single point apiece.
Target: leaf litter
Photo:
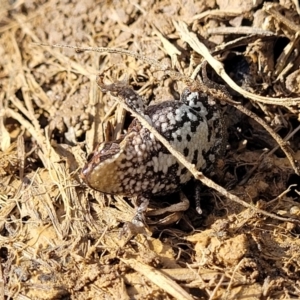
(59, 239)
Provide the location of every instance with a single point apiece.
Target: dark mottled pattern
(186, 151)
(184, 171)
(195, 157)
(138, 164)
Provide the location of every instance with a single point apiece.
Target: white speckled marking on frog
(138, 164)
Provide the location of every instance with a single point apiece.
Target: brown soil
(61, 240)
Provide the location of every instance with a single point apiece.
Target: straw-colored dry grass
(61, 240)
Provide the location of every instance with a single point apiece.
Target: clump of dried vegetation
(59, 239)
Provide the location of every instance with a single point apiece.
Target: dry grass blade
(271, 9)
(215, 12)
(4, 135)
(46, 149)
(283, 64)
(213, 294)
(240, 41)
(297, 4)
(240, 30)
(150, 61)
(168, 46)
(157, 277)
(2, 293)
(158, 65)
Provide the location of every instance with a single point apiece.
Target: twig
(213, 294)
(227, 293)
(240, 30)
(159, 278)
(44, 145)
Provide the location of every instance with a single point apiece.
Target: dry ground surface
(61, 240)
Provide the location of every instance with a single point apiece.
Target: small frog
(137, 164)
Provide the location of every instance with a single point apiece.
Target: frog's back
(141, 165)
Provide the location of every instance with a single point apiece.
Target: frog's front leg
(139, 218)
(165, 216)
(170, 214)
(138, 225)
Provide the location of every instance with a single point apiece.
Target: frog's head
(101, 172)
